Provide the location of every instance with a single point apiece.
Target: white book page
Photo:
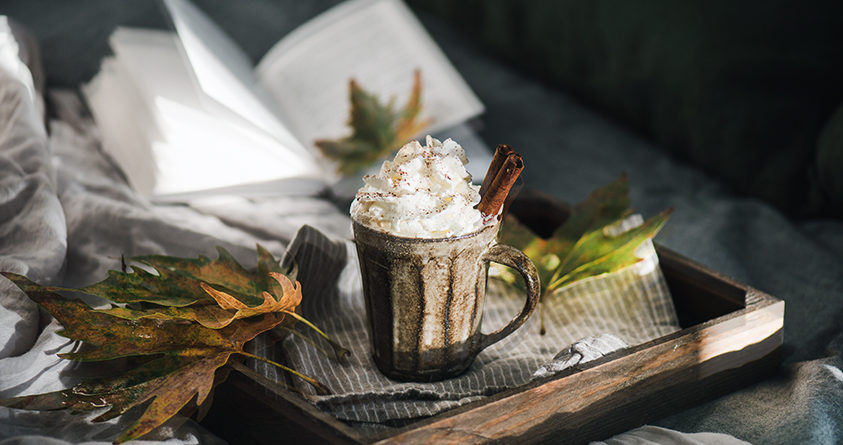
(378, 42)
(224, 72)
(196, 150)
(124, 123)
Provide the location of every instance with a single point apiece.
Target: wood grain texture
(731, 337)
(575, 406)
(613, 394)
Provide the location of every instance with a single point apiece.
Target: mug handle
(514, 258)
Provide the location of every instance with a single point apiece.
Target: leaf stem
(261, 379)
(542, 330)
(305, 338)
(339, 350)
(321, 389)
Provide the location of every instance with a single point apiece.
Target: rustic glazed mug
(424, 299)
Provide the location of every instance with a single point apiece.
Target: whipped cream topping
(425, 192)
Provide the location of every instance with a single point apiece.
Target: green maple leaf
(177, 281)
(210, 292)
(185, 338)
(583, 246)
(376, 129)
(224, 312)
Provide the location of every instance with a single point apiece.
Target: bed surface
(66, 214)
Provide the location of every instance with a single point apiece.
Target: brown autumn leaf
(189, 355)
(183, 352)
(376, 128)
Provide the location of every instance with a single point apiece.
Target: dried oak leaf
(186, 322)
(376, 129)
(188, 355)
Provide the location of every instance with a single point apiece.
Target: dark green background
(740, 88)
(743, 90)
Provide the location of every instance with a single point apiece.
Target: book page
(378, 42)
(124, 122)
(194, 149)
(224, 72)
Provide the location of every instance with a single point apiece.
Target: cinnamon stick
(501, 153)
(493, 200)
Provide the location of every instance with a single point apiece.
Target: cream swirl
(425, 192)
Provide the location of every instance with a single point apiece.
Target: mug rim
(376, 232)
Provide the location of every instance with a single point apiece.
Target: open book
(186, 114)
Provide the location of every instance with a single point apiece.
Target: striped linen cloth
(632, 304)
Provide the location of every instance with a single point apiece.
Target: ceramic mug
(425, 297)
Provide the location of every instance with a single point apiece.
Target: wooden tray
(731, 337)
